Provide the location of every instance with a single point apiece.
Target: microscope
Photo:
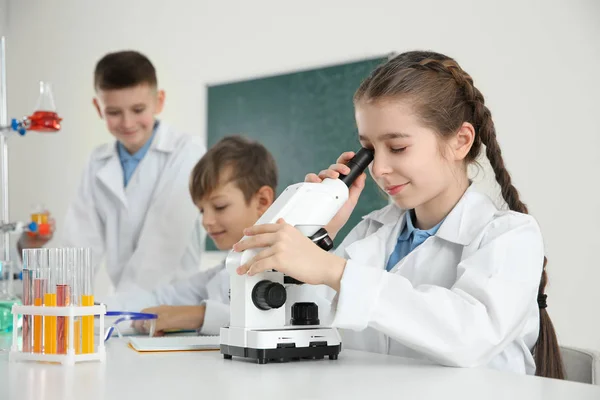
(266, 321)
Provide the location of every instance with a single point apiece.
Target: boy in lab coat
(232, 185)
(132, 206)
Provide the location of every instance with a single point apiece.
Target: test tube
(75, 268)
(49, 301)
(27, 300)
(87, 299)
(39, 290)
(63, 296)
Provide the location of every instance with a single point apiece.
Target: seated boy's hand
(173, 318)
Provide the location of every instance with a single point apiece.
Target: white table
(206, 375)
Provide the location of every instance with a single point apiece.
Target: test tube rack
(68, 311)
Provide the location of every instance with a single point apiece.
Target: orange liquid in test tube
(49, 276)
(39, 286)
(37, 329)
(77, 336)
(50, 325)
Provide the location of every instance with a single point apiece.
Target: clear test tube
(49, 301)
(27, 299)
(39, 290)
(75, 268)
(58, 258)
(87, 299)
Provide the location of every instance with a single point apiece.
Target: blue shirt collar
(138, 155)
(409, 227)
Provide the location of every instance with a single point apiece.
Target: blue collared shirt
(129, 162)
(409, 239)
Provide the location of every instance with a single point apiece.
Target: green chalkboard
(305, 119)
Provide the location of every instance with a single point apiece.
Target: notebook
(174, 343)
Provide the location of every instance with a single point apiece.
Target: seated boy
(232, 185)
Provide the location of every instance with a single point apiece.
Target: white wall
(536, 61)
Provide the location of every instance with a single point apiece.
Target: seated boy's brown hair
(246, 162)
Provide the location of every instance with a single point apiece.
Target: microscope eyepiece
(357, 164)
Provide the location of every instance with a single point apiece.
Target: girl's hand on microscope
(290, 252)
(333, 172)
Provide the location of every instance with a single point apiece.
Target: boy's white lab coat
(150, 232)
(210, 288)
(465, 297)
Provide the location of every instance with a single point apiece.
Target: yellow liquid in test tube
(50, 325)
(87, 326)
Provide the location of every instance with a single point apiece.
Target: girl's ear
(461, 143)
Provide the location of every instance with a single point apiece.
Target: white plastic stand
(70, 311)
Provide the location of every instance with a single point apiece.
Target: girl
(441, 274)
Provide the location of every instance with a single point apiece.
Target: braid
(450, 67)
(487, 131)
(546, 351)
(481, 117)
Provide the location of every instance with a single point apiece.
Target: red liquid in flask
(45, 121)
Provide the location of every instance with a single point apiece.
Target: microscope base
(281, 345)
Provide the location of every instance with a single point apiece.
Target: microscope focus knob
(267, 295)
(321, 238)
(305, 314)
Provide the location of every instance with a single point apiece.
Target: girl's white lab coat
(465, 297)
(150, 231)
